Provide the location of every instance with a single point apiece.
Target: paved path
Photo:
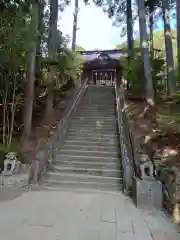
(65, 215)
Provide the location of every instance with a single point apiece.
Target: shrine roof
(92, 55)
(102, 59)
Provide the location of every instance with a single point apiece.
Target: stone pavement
(80, 215)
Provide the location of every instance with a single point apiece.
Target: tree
(169, 51)
(76, 10)
(24, 39)
(129, 36)
(40, 37)
(14, 44)
(52, 49)
(29, 93)
(145, 53)
(178, 34)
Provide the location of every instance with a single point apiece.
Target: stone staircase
(90, 155)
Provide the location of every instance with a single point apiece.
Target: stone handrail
(125, 144)
(45, 155)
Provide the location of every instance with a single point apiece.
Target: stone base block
(20, 180)
(147, 194)
(13, 186)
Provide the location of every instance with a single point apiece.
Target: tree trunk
(29, 92)
(145, 53)
(40, 36)
(129, 37)
(52, 49)
(178, 35)
(169, 50)
(75, 26)
(151, 37)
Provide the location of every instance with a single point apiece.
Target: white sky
(96, 30)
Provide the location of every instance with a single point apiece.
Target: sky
(95, 28)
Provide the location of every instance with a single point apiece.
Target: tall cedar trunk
(129, 37)
(151, 38)
(145, 52)
(52, 49)
(178, 35)
(40, 36)
(75, 26)
(29, 91)
(169, 50)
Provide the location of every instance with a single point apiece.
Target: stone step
(90, 156)
(91, 153)
(94, 139)
(96, 117)
(92, 132)
(92, 118)
(89, 171)
(82, 178)
(73, 185)
(104, 144)
(97, 106)
(99, 91)
(69, 157)
(96, 109)
(90, 147)
(93, 94)
(99, 94)
(94, 126)
(96, 134)
(93, 121)
(88, 164)
(107, 98)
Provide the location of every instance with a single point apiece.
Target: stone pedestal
(147, 193)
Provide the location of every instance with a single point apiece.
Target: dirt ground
(160, 129)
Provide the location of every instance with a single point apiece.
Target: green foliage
(175, 99)
(134, 74)
(79, 48)
(69, 65)
(158, 73)
(16, 37)
(158, 63)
